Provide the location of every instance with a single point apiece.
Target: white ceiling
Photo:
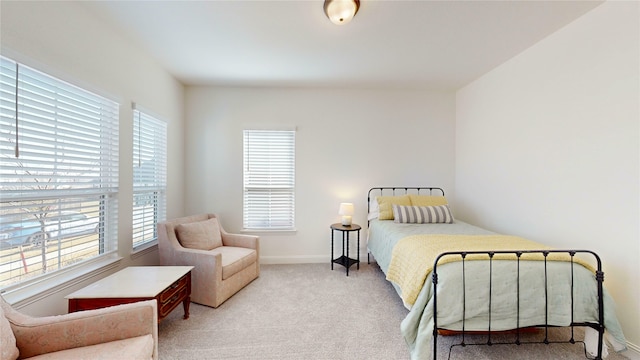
(392, 43)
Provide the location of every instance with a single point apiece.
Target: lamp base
(346, 220)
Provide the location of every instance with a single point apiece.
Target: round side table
(345, 260)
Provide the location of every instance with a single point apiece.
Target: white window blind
(269, 179)
(58, 174)
(149, 176)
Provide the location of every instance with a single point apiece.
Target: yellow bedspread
(412, 257)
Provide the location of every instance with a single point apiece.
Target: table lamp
(346, 210)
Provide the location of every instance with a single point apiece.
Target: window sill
(144, 249)
(20, 295)
(269, 231)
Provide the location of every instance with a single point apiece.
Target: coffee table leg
(185, 304)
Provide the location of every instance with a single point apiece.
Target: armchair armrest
(40, 335)
(207, 265)
(240, 240)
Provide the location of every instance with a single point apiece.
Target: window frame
(69, 136)
(271, 188)
(150, 182)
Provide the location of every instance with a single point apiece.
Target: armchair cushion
(202, 235)
(235, 259)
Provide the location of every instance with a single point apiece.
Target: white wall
(547, 147)
(347, 141)
(64, 40)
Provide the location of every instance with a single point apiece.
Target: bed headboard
(401, 190)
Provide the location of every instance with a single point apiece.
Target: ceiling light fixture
(341, 11)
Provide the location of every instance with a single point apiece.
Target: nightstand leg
(347, 258)
(358, 263)
(331, 260)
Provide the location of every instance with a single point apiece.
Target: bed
(475, 280)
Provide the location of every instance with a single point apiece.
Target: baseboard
(302, 259)
(632, 352)
(310, 259)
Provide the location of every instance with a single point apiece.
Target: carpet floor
(307, 311)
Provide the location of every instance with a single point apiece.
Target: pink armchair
(120, 332)
(223, 263)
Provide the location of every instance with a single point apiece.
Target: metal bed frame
(599, 275)
(599, 278)
(406, 191)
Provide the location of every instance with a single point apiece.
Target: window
(58, 174)
(269, 179)
(149, 176)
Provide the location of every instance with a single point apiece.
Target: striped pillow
(422, 214)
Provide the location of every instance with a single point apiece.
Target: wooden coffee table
(169, 285)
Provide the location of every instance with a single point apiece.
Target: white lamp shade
(340, 11)
(346, 210)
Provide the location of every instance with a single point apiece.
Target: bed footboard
(599, 276)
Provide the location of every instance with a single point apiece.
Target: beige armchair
(223, 263)
(120, 332)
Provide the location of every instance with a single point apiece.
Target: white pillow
(374, 209)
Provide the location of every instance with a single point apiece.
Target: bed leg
(600, 280)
